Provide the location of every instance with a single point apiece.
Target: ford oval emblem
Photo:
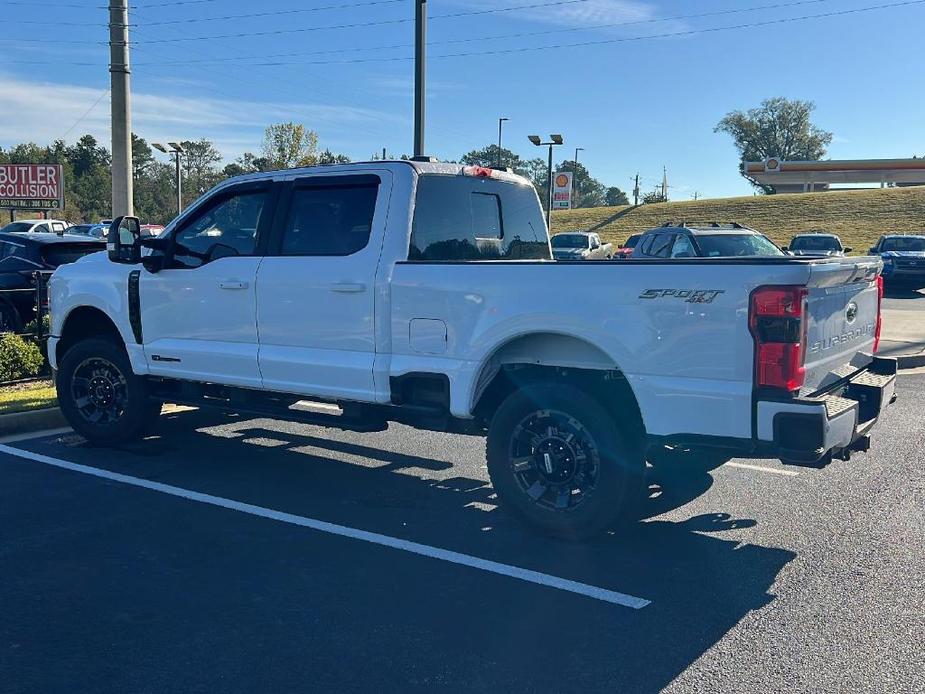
(851, 313)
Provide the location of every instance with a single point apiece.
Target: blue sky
(634, 104)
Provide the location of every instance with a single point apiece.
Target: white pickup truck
(426, 294)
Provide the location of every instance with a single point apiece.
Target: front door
(198, 316)
(316, 287)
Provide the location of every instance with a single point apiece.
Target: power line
(583, 44)
(354, 49)
(356, 25)
(84, 116)
(277, 13)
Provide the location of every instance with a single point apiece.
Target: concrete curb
(34, 420)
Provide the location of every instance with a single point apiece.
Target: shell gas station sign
(31, 186)
(562, 190)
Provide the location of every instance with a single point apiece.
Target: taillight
(777, 320)
(879, 313)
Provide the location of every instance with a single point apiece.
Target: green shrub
(18, 358)
(33, 325)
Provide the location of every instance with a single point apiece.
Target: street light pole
(176, 149)
(420, 58)
(500, 125)
(554, 141)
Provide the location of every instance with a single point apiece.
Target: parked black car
(21, 255)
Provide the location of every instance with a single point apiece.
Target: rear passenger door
(316, 287)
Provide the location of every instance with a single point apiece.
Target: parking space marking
(486, 565)
(761, 468)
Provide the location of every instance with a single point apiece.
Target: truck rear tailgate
(842, 309)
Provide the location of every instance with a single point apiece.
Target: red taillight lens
(879, 313)
(777, 322)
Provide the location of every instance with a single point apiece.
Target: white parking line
(536, 577)
(761, 468)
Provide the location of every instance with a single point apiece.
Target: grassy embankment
(859, 217)
(27, 396)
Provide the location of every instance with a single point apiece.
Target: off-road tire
(118, 393)
(591, 438)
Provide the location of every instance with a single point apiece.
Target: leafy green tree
(780, 128)
(289, 145)
(199, 161)
(327, 157)
(615, 197)
(654, 197)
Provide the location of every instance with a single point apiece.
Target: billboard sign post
(562, 190)
(31, 187)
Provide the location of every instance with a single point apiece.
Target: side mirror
(847, 249)
(873, 251)
(784, 248)
(122, 240)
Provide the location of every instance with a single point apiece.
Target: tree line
(88, 176)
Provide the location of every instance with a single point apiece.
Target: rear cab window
(458, 218)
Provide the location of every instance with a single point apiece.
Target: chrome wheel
(99, 391)
(555, 460)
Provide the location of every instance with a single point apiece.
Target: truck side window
(465, 218)
(330, 220)
(227, 228)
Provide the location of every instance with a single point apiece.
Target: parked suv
(20, 256)
(903, 259)
(706, 241)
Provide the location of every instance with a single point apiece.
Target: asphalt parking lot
(200, 560)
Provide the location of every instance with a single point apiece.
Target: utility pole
(420, 58)
(119, 75)
(500, 125)
(383, 154)
(636, 192)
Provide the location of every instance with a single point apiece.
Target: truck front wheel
(100, 396)
(557, 458)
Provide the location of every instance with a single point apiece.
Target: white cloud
(42, 112)
(583, 13)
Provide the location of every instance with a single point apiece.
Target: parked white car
(426, 294)
(41, 226)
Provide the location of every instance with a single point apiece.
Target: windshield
(731, 245)
(908, 243)
(80, 229)
(815, 243)
(14, 227)
(569, 241)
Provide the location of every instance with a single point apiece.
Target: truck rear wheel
(557, 458)
(100, 396)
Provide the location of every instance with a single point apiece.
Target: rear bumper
(810, 431)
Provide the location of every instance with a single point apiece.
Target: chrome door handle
(233, 284)
(348, 287)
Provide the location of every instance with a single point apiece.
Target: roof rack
(711, 225)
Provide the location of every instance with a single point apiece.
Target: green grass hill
(859, 217)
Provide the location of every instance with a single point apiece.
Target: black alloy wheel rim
(99, 391)
(555, 460)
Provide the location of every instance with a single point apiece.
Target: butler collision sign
(31, 187)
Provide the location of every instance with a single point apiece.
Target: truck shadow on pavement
(471, 631)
